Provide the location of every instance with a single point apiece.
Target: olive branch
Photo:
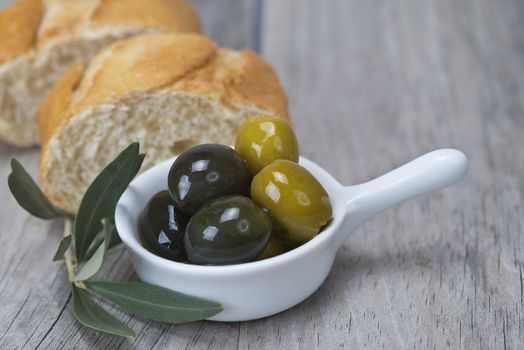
(86, 241)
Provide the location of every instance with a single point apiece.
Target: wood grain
(372, 85)
(388, 81)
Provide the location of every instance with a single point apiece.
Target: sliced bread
(166, 91)
(41, 39)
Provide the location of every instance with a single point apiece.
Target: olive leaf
(155, 303)
(94, 245)
(99, 238)
(95, 262)
(93, 233)
(63, 246)
(102, 195)
(28, 194)
(90, 314)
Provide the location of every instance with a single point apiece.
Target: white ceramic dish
(262, 288)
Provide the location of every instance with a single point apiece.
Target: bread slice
(41, 39)
(166, 91)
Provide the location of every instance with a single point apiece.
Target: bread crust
(54, 109)
(19, 24)
(29, 25)
(66, 18)
(185, 63)
(39, 35)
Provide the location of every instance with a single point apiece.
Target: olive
(228, 230)
(162, 227)
(276, 246)
(295, 199)
(262, 139)
(204, 173)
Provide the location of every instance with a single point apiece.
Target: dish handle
(431, 172)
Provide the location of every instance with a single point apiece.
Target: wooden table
(372, 84)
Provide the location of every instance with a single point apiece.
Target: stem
(70, 260)
(68, 257)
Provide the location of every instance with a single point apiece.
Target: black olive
(163, 226)
(229, 230)
(204, 173)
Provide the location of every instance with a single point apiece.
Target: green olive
(276, 246)
(229, 230)
(262, 139)
(295, 199)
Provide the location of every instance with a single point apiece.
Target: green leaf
(102, 195)
(99, 238)
(28, 194)
(88, 313)
(140, 161)
(94, 263)
(95, 244)
(154, 302)
(62, 248)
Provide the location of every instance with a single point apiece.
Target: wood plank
(373, 84)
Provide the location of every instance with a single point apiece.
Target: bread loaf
(166, 91)
(41, 39)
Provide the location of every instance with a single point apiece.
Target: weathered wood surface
(372, 84)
